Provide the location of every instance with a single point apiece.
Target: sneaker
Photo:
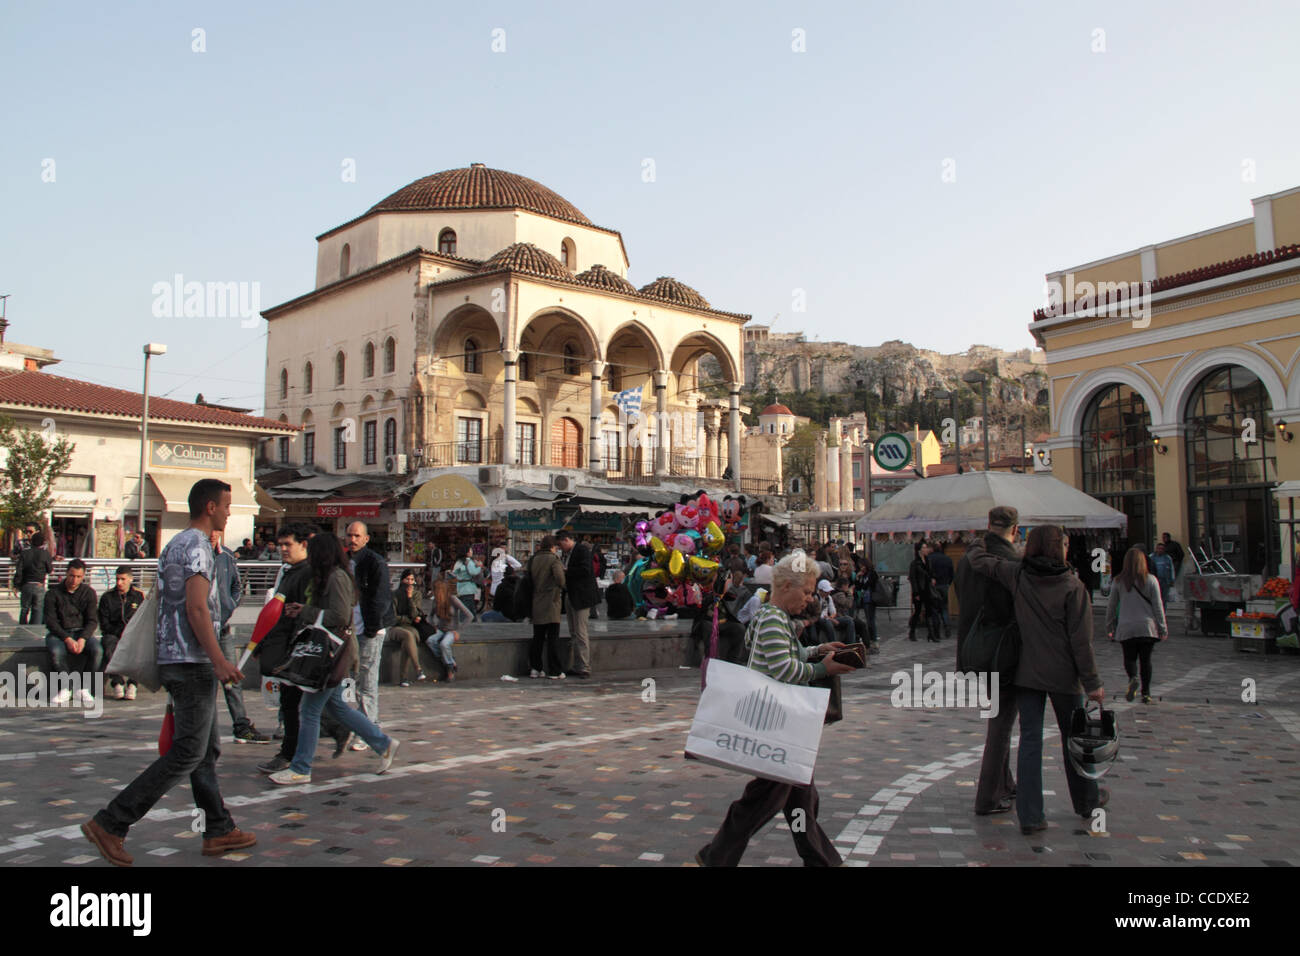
(422, 676)
(110, 847)
(85, 696)
(386, 758)
(288, 776)
(536, 673)
(250, 736)
(405, 683)
(360, 745)
(274, 765)
(130, 692)
(1146, 698)
(1132, 689)
(119, 692)
(560, 676)
(1003, 807)
(236, 839)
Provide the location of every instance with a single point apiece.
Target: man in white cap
(501, 559)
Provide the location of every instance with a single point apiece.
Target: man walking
(976, 593)
(581, 594)
(34, 568)
(942, 572)
(274, 648)
(191, 665)
(116, 608)
(70, 622)
(1163, 566)
(229, 590)
(1174, 550)
(371, 617)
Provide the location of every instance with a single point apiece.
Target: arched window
(345, 260)
(390, 436)
(570, 359)
(390, 356)
(613, 377)
(568, 255)
(447, 242)
(340, 368)
(284, 384)
(1119, 458)
(306, 379)
(368, 361)
(525, 367)
(471, 357)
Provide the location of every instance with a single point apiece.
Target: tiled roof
(478, 187)
(526, 257)
(670, 290)
(776, 410)
(603, 278)
(42, 390)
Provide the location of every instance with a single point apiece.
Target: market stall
(1265, 624)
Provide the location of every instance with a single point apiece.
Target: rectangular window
(526, 443)
(857, 470)
(309, 448)
(611, 451)
(73, 483)
(369, 433)
(390, 436)
(469, 440)
(340, 450)
(284, 450)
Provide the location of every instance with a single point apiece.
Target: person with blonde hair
(776, 652)
(1135, 617)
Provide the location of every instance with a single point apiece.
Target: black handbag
(991, 648)
(312, 657)
(835, 704)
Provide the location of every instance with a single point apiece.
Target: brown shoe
(109, 846)
(236, 839)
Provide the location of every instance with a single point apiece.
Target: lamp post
(153, 348)
(979, 378)
(941, 394)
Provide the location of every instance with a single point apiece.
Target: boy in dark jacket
(116, 607)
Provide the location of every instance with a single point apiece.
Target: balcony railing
(488, 451)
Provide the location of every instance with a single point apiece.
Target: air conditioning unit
(395, 464)
(563, 483)
(490, 477)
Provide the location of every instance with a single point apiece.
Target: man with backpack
(982, 598)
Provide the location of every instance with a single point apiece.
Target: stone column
(661, 423)
(833, 477)
(846, 475)
(594, 462)
(712, 423)
(819, 474)
(733, 432)
(508, 446)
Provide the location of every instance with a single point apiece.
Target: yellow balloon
(676, 565)
(654, 576)
(659, 549)
(713, 536)
(703, 568)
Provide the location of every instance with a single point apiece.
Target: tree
(799, 457)
(31, 465)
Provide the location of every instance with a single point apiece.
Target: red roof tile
(479, 187)
(42, 390)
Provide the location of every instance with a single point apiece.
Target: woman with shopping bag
(775, 651)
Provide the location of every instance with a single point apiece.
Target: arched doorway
(1232, 469)
(566, 444)
(1119, 460)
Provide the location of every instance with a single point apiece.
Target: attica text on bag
(751, 747)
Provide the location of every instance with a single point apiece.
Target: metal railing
(488, 451)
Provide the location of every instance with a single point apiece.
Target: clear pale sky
(775, 170)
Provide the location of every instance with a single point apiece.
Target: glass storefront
(1118, 461)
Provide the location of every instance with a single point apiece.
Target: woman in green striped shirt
(776, 652)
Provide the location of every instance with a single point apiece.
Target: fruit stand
(1258, 628)
(1211, 598)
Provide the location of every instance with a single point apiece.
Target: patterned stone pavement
(589, 773)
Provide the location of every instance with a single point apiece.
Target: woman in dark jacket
(408, 605)
(330, 597)
(865, 587)
(1056, 661)
(547, 574)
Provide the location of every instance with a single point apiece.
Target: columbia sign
(893, 451)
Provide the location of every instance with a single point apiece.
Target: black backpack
(991, 648)
(523, 603)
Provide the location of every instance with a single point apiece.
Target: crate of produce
(1248, 628)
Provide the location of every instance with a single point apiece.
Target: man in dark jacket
(136, 549)
(71, 619)
(116, 608)
(274, 648)
(976, 593)
(942, 572)
(581, 594)
(34, 568)
(372, 618)
(924, 601)
(618, 599)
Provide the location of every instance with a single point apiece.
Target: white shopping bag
(136, 657)
(758, 726)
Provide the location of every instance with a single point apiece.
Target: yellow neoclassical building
(1175, 385)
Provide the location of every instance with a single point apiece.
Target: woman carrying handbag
(1135, 617)
(331, 595)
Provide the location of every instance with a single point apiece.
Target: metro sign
(893, 451)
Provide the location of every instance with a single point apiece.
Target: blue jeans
(31, 606)
(193, 754)
(440, 643)
(93, 655)
(1029, 758)
(370, 652)
(331, 699)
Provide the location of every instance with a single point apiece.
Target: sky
(859, 172)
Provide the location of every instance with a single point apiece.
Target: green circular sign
(893, 451)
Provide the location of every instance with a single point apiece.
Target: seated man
(618, 599)
(71, 619)
(115, 610)
(503, 600)
(736, 594)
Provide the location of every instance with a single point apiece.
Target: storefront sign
(347, 511)
(445, 515)
(299, 508)
(447, 492)
(181, 454)
(531, 521)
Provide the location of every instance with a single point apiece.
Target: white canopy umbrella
(962, 503)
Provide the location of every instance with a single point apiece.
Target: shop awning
(599, 508)
(776, 517)
(175, 493)
(264, 500)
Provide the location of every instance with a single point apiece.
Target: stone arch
(697, 343)
(1293, 391)
(1069, 423)
(306, 416)
(635, 330)
(390, 398)
(554, 332)
(368, 403)
(470, 398)
(466, 321)
(527, 406)
(1193, 370)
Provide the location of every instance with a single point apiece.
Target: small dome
(478, 187)
(603, 278)
(776, 410)
(526, 257)
(669, 289)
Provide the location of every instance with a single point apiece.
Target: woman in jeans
(447, 608)
(778, 654)
(331, 594)
(408, 605)
(1135, 617)
(1056, 662)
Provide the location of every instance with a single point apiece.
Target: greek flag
(629, 401)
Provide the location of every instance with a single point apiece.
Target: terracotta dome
(603, 278)
(478, 187)
(668, 288)
(776, 410)
(526, 257)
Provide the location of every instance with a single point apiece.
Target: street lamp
(153, 348)
(941, 393)
(974, 377)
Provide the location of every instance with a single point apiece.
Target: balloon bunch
(681, 545)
